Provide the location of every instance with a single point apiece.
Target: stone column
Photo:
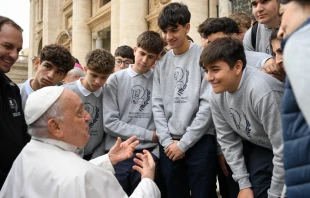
(225, 8)
(199, 13)
(115, 20)
(99, 36)
(131, 29)
(213, 8)
(81, 33)
(32, 45)
(50, 22)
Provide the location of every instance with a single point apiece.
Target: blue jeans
(195, 174)
(130, 178)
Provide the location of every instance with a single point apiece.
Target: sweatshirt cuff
(182, 146)
(148, 136)
(244, 183)
(218, 149)
(275, 190)
(166, 142)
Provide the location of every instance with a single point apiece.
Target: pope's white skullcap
(39, 101)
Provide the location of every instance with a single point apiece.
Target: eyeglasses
(119, 62)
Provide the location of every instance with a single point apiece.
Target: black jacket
(13, 128)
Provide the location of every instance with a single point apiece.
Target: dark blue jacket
(296, 137)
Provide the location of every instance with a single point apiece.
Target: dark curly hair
(202, 27)
(224, 24)
(58, 55)
(100, 61)
(174, 14)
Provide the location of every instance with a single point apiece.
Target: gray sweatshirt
(127, 107)
(252, 113)
(256, 59)
(93, 105)
(262, 40)
(181, 99)
(25, 91)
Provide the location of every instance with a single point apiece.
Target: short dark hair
(202, 27)
(273, 36)
(224, 24)
(125, 51)
(150, 41)
(58, 55)
(100, 61)
(226, 49)
(174, 14)
(6, 20)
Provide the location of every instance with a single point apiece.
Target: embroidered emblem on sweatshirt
(241, 121)
(140, 96)
(14, 107)
(93, 112)
(268, 49)
(181, 80)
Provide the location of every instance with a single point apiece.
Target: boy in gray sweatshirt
(127, 107)
(246, 109)
(53, 65)
(99, 66)
(181, 111)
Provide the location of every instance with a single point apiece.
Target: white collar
(57, 143)
(132, 73)
(28, 88)
(86, 92)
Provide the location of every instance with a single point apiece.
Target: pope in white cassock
(48, 165)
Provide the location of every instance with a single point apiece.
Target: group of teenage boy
(203, 112)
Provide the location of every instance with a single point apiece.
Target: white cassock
(49, 168)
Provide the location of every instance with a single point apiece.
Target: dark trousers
(130, 178)
(259, 164)
(195, 174)
(228, 187)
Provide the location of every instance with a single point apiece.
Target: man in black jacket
(13, 128)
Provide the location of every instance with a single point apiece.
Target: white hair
(39, 128)
(77, 71)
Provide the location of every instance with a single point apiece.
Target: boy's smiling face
(175, 36)
(223, 78)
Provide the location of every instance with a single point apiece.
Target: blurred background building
(83, 25)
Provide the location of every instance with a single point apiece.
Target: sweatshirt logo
(180, 79)
(14, 107)
(140, 96)
(93, 112)
(241, 121)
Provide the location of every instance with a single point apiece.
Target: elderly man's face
(75, 122)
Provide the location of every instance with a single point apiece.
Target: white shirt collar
(86, 92)
(57, 143)
(28, 88)
(132, 73)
